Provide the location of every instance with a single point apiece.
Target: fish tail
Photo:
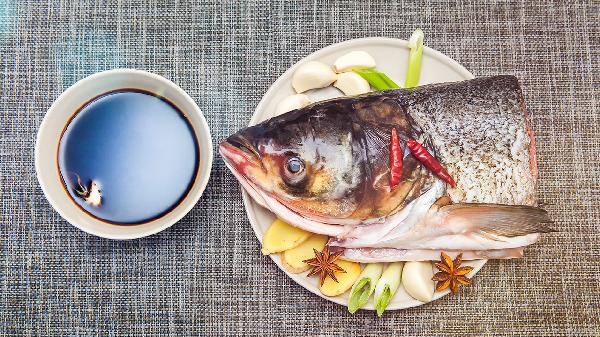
(493, 220)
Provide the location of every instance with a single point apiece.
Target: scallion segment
(414, 59)
(391, 84)
(387, 286)
(364, 286)
(377, 79)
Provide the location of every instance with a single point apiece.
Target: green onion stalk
(377, 79)
(387, 286)
(414, 59)
(364, 286)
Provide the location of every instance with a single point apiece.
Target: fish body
(326, 168)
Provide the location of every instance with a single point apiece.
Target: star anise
(451, 274)
(323, 263)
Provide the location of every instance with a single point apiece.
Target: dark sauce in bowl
(128, 157)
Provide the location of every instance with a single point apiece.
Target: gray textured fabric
(205, 275)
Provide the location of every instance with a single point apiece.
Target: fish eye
(295, 165)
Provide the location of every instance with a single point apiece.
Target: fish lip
(243, 144)
(239, 154)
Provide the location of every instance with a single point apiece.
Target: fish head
(329, 161)
(305, 160)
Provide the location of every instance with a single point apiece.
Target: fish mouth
(244, 162)
(239, 154)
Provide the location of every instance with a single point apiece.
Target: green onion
(388, 81)
(364, 286)
(387, 286)
(414, 59)
(377, 79)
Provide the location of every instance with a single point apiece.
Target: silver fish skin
(481, 132)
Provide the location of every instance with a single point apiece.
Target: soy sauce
(128, 157)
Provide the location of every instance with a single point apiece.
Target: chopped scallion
(377, 79)
(387, 286)
(414, 59)
(364, 286)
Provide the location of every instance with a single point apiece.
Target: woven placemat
(205, 275)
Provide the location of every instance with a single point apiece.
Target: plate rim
(249, 204)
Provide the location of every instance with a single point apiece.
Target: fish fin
(441, 202)
(490, 236)
(493, 220)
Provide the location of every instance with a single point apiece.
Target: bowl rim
(205, 160)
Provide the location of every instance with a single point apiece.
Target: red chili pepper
(421, 153)
(395, 160)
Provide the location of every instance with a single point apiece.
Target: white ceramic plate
(391, 56)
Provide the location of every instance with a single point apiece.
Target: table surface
(205, 275)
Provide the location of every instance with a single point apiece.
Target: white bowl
(69, 102)
(391, 56)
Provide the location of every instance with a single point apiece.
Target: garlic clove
(291, 103)
(416, 279)
(352, 84)
(95, 195)
(354, 60)
(312, 75)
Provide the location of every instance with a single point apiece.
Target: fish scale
(485, 123)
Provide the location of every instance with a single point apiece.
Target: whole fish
(326, 168)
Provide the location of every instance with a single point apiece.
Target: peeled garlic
(416, 279)
(94, 197)
(312, 75)
(291, 103)
(353, 60)
(352, 84)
